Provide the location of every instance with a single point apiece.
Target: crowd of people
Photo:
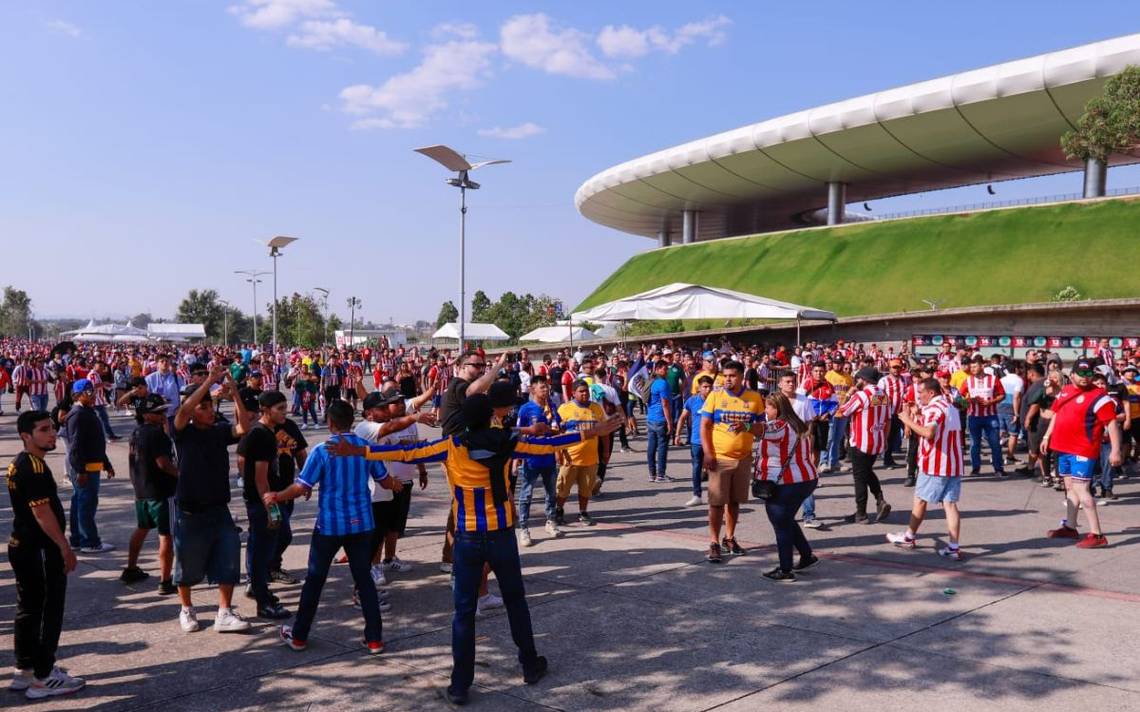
(756, 422)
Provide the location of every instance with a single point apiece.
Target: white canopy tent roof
(693, 301)
(558, 334)
(107, 332)
(472, 332)
(175, 332)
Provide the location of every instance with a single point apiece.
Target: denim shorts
(206, 545)
(932, 489)
(1075, 466)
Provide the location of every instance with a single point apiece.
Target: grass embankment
(1013, 256)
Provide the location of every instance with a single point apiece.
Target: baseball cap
(188, 390)
(379, 399)
(501, 394)
(81, 385)
(894, 362)
(153, 403)
(1083, 367)
(942, 373)
(868, 374)
(254, 374)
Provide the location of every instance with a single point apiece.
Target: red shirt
(984, 386)
(870, 412)
(1080, 419)
(820, 390)
(941, 454)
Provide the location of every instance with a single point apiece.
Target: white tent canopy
(472, 332)
(558, 334)
(693, 301)
(107, 332)
(162, 331)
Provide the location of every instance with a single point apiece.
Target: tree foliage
(1111, 122)
(300, 321)
(205, 308)
(447, 313)
(15, 312)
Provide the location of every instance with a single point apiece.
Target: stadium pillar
(689, 225)
(1096, 174)
(663, 238)
(836, 202)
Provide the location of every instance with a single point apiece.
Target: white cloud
(278, 14)
(64, 28)
(462, 30)
(328, 34)
(407, 100)
(529, 39)
(513, 133)
(626, 41)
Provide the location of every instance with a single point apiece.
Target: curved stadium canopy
(991, 124)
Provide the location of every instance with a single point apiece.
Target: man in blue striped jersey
(344, 519)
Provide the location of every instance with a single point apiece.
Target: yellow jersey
(718, 381)
(472, 504)
(732, 415)
(842, 383)
(958, 378)
(573, 416)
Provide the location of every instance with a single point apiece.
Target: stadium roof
(990, 124)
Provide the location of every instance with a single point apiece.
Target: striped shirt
(345, 504)
(472, 504)
(779, 445)
(32, 378)
(940, 455)
(100, 388)
(893, 387)
(984, 386)
(870, 411)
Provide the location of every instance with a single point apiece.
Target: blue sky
(146, 145)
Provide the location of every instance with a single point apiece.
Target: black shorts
(394, 512)
(1035, 435)
(819, 435)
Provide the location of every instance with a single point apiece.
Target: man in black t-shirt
(41, 559)
(261, 468)
(206, 541)
(292, 451)
(153, 476)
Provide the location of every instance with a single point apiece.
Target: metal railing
(1036, 200)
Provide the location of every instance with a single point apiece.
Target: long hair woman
(786, 460)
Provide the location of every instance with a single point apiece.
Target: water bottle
(274, 516)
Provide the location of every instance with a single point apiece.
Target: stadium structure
(992, 124)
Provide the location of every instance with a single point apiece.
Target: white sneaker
(228, 621)
(952, 554)
(901, 540)
(488, 602)
(21, 680)
(812, 523)
(445, 567)
(524, 537)
(188, 621)
(101, 549)
(398, 566)
(694, 501)
(57, 683)
(378, 576)
(553, 530)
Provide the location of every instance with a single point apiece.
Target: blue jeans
(84, 503)
(39, 402)
(697, 456)
(284, 535)
(322, 550)
(657, 448)
(984, 426)
(1106, 474)
(781, 509)
(809, 508)
(528, 475)
(500, 550)
(676, 406)
(836, 431)
(260, 546)
(101, 411)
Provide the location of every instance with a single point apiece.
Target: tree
(202, 307)
(1111, 122)
(299, 320)
(142, 319)
(447, 313)
(480, 304)
(15, 312)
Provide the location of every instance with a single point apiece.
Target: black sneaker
(975, 471)
(856, 518)
(274, 612)
(133, 574)
(805, 564)
(731, 547)
(560, 517)
(909, 482)
(780, 576)
(456, 697)
(535, 672)
(882, 510)
(283, 577)
(1000, 473)
(713, 556)
(167, 588)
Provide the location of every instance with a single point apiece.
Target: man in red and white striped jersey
(939, 428)
(869, 412)
(892, 386)
(983, 391)
(913, 397)
(35, 378)
(20, 380)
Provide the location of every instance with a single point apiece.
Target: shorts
(153, 514)
(932, 489)
(731, 481)
(381, 513)
(819, 436)
(392, 516)
(582, 476)
(1035, 435)
(206, 546)
(1075, 466)
(1008, 423)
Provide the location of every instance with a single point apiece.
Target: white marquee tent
(107, 332)
(472, 332)
(558, 334)
(694, 301)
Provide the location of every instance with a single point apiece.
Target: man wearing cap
(87, 453)
(841, 384)
(153, 477)
(892, 386)
(869, 411)
(1081, 415)
(983, 391)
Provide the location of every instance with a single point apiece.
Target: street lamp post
(353, 303)
(225, 321)
(251, 276)
(453, 160)
(325, 304)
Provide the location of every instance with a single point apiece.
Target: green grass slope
(1012, 256)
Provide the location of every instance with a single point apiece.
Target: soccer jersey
(1079, 420)
(529, 414)
(941, 454)
(842, 384)
(784, 456)
(732, 415)
(984, 386)
(345, 502)
(574, 416)
(893, 388)
(870, 412)
(30, 484)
